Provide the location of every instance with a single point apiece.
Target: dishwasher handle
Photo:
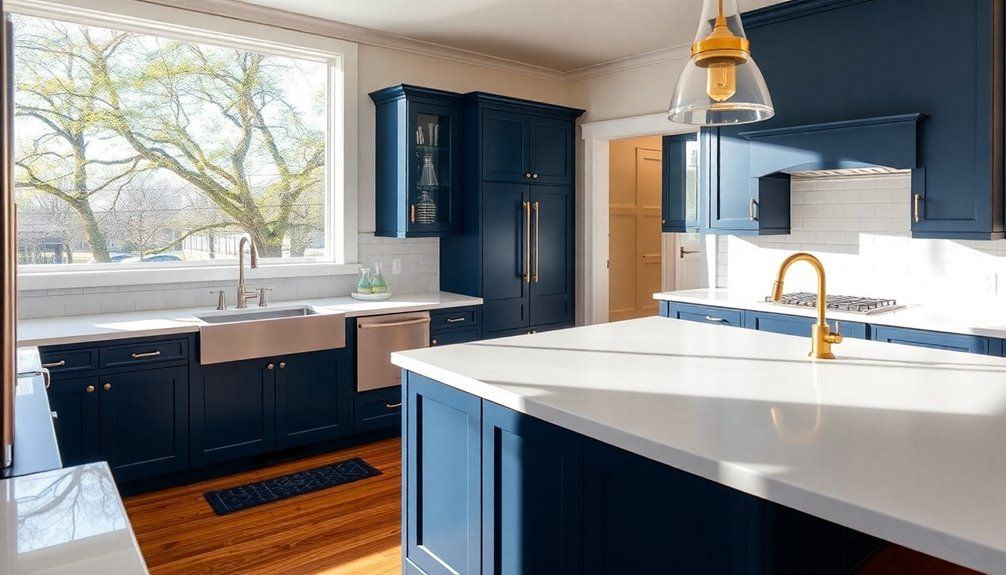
(395, 323)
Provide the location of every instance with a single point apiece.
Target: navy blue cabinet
(443, 478)
(938, 340)
(703, 314)
(532, 495)
(680, 184)
(797, 325)
(144, 422)
(312, 397)
(417, 162)
(645, 517)
(232, 410)
(250, 407)
(75, 402)
(516, 246)
(940, 115)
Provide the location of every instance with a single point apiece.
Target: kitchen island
(728, 449)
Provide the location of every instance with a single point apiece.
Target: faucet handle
(838, 327)
(221, 299)
(261, 296)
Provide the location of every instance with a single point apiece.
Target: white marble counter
(85, 328)
(899, 442)
(964, 320)
(69, 521)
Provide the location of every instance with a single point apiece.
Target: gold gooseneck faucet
(821, 337)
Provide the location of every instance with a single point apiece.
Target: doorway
(634, 228)
(642, 260)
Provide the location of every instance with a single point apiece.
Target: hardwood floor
(353, 529)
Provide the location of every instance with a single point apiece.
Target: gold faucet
(821, 337)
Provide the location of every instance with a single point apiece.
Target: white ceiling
(560, 35)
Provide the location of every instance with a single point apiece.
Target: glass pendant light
(721, 84)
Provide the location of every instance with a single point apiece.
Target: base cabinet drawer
(452, 337)
(66, 362)
(798, 325)
(379, 409)
(456, 318)
(938, 340)
(705, 314)
(143, 353)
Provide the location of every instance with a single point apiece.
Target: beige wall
(625, 93)
(382, 67)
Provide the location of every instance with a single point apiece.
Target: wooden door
(312, 397)
(634, 228)
(145, 422)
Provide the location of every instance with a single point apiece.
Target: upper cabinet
(867, 84)
(527, 148)
(418, 162)
(680, 185)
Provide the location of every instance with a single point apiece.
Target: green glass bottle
(364, 285)
(377, 283)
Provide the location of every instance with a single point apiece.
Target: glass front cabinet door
(418, 162)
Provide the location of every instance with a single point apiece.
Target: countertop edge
(889, 528)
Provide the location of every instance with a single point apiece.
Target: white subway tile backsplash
(860, 227)
(420, 273)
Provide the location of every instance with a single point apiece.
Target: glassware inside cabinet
(431, 196)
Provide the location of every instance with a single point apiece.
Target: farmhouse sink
(257, 333)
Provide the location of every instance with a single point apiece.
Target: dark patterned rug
(244, 496)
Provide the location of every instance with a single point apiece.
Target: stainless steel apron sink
(248, 334)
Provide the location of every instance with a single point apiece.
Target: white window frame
(341, 176)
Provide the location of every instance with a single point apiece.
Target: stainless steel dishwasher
(377, 337)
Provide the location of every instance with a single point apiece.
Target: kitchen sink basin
(260, 333)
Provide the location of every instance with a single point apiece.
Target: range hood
(880, 145)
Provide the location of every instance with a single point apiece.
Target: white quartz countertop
(86, 328)
(903, 443)
(69, 521)
(979, 320)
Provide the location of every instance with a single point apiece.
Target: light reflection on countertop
(67, 521)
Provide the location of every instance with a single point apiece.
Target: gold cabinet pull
(412, 213)
(107, 386)
(752, 205)
(393, 405)
(537, 232)
(89, 389)
(455, 319)
(917, 214)
(145, 354)
(527, 241)
(59, 363)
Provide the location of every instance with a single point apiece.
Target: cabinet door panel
(76, 419)
(443, 478)
(505, 154)
(552, 254)
(233, 410)
(532, 493)
(144, 422)
(312, 397)
(552, 150)
(680, 193)
(938, 340)
(797, 325)
(505, 249)
(645, 517)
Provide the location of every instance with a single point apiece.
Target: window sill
(172, 275)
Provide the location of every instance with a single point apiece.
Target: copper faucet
(821, 336)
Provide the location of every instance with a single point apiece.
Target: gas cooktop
(850, 304)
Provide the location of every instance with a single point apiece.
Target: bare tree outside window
(144, 148)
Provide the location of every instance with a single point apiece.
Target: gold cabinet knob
(271, 366)
(434, 342)
(534, 176)
(89, 389)
(107, 386)
(282, 365)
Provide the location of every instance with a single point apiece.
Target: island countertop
(902, 443)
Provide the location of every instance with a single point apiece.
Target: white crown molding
(679, 52)
(311, 25)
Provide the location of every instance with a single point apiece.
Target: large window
(133, 149)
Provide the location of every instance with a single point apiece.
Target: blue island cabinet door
(532, 496)
(145, 422)
(643, 517)
(312, 397)
(442, 478)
